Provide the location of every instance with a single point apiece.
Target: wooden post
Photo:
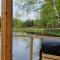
(6, 30)
(31, 48)
(40, 52)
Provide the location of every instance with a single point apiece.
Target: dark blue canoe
(51, 46)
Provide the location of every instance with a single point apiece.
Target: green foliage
(48, 15)
(57, 2)
(53, 32)
(17, 23)
(28, 23)
(37, 23)
(47, 10)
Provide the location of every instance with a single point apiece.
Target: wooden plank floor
(50, 57)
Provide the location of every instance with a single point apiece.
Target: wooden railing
(44, 56)
(31, 42)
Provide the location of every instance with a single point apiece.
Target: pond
(21, 49)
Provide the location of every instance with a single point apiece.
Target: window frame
(6, 44)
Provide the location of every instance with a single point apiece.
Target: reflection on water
(21, 50)
(20, 47)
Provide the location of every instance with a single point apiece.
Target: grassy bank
(48, 32)
(28, 30)
(52, 32)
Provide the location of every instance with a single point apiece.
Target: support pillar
(6, 45)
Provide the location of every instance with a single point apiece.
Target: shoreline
(34, 34)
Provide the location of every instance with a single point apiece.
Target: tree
(17, 23)
(37, 23)
(27, 6)
(48, 14)
(57, 3)
(28, 23)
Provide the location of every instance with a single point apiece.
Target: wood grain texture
(50, 57)
(6, 51)
(31, 48)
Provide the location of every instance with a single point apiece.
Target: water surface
(21, 50)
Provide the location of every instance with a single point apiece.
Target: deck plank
(50, 57)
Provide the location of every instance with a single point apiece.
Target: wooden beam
(6, 30)
(31, 48)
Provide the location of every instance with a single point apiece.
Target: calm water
(21, 50)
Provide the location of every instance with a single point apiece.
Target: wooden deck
(50, 57)
(47, 57)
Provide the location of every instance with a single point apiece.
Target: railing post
(31, 48)
(42, 35)
(6, 50)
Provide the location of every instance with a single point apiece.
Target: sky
(22, 14)
(31, 15)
